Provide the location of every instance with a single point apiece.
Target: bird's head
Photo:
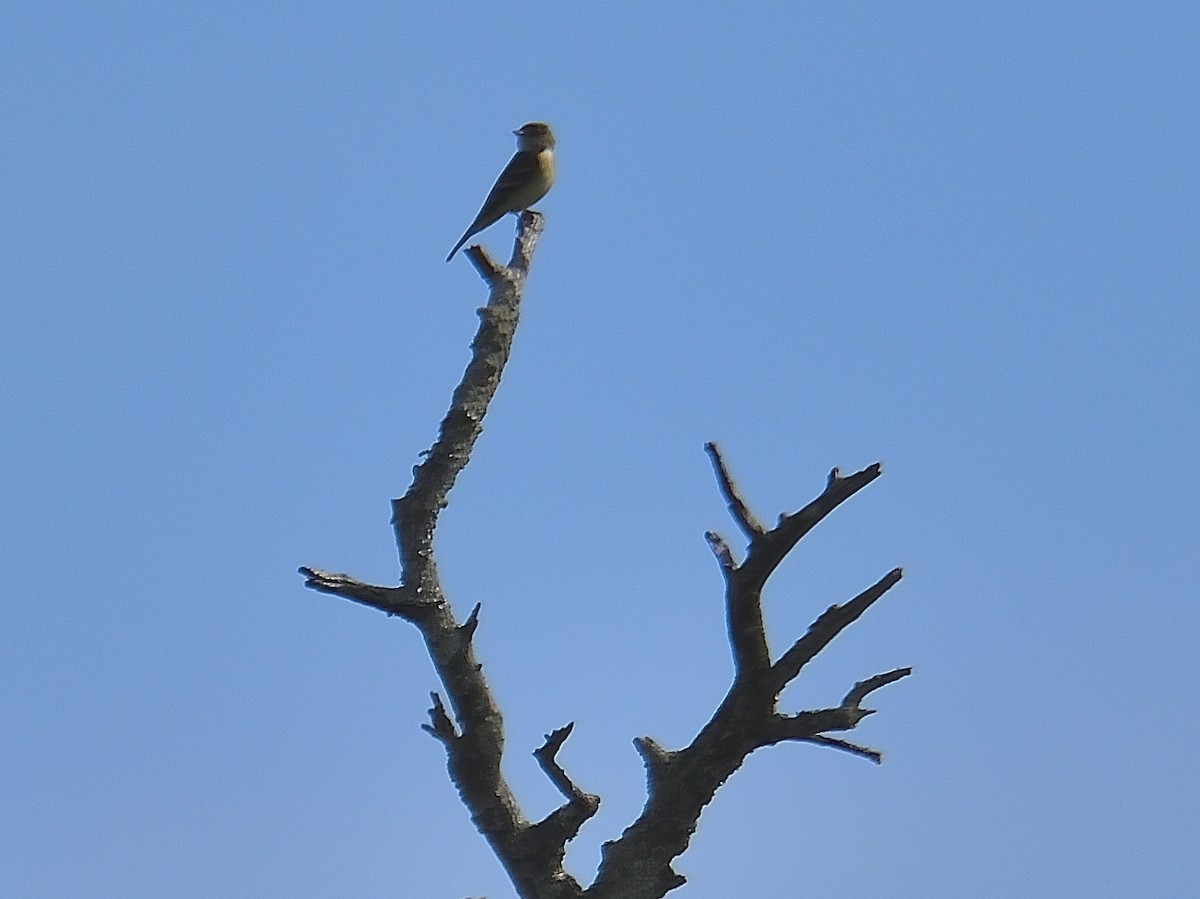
(534, 136)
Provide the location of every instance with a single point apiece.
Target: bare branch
(744, 584)
(529, 231)
(680, 783)
(562, 825)
(531, 855)
(546, 755)
(440, 726)
(721, 550)
(467, 628)
(830, 623)
(766, 554)
(860, 690)
(737, 506)
(810, 727)
(392, 600)
(414, 515)
(654, 757)
(873, 755)
(817, 721)
(490, 270)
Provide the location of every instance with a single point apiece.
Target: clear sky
(960, 239)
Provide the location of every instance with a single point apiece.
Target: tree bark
(680, 783)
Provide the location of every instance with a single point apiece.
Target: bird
(524, 181)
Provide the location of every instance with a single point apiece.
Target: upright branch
(472, 729)
(680, 783)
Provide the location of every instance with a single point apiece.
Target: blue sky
(960, 239)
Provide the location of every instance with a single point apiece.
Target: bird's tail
(462, 240)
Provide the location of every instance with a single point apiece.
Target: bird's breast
(546, 166)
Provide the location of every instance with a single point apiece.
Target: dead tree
(679, 783)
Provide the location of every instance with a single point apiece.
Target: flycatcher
(523, 182)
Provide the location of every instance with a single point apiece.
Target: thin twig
(873, 755)
(828, 625)
(546, 755)
(737, 506)
(440, 725)
(721, 550)
(860, 690)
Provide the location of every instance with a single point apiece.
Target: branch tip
(580, 805)
(721, 550)
(861, 689)
(554, 741)
(440, 726)
(733, 499)
(490, 270)
(828, 625)
(653, 755)
(873, 755)
(467, 628)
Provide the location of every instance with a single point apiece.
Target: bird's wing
(521, 184)
(508, 193)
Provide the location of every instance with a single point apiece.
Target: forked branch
(681, 783)
(468, 723)
(471, 728)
